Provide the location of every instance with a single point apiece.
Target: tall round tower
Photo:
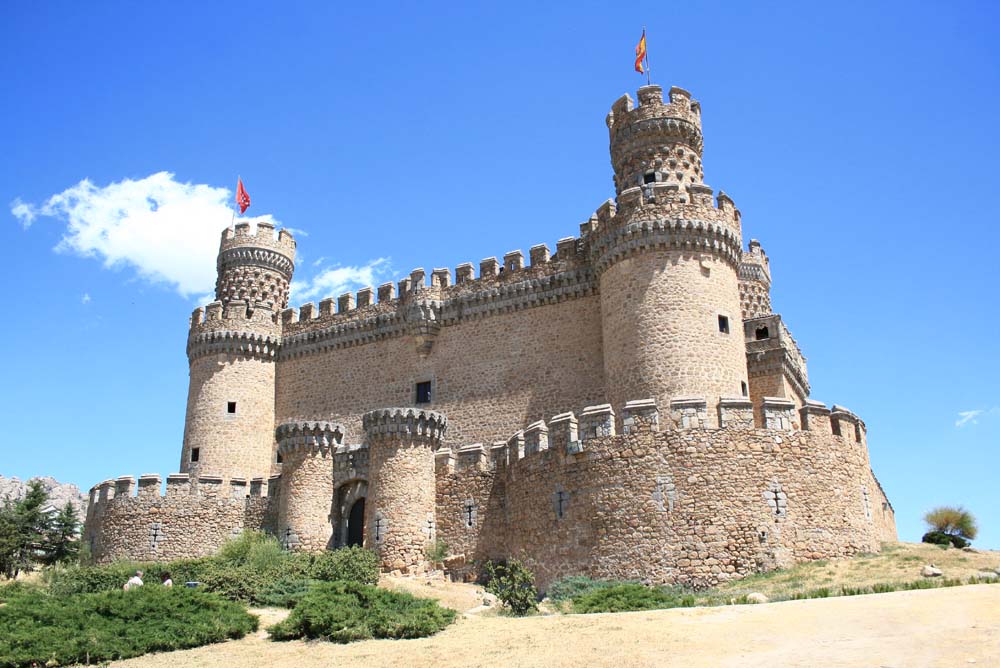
(667, 257)
(229, 427)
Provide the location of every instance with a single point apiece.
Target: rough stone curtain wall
(193, 519)
(489, 375)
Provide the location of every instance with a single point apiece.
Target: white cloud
(296, 232)
(968, 417)
(334, 281)
(85, 299)
(165, 230)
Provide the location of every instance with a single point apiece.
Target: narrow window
(424, 392)
(762, 334)
(723, 324)
(743, 387)
(194, 454)
(649, 177)
(231, 407)
(278, 459)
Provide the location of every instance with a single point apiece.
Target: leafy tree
(61, 544)
(952, 521)
(513, 584)
(23, 528)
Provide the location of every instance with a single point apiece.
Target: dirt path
(935, 628)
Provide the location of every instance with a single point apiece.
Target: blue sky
(859, 142)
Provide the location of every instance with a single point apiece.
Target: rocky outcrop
(59, 493)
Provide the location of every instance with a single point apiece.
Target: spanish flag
(640, 53)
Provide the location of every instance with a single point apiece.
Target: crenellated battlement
(644, 219)
(180, 485)
(308, 436)
(656, 143)
(260, 235)
(404, 424)
(569, 434)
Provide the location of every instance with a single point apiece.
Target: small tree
(23, 527)
(955, 523)
(61, 544)
(513, 584)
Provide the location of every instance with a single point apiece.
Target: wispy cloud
(334, 281)
(973, 416)
(164, 230)
(85, 299)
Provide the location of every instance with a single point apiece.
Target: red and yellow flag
(640, 53)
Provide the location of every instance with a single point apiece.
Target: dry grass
(898, 563)
(940, 627)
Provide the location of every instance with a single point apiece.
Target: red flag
(242, 198)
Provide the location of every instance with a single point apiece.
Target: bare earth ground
(958, 626)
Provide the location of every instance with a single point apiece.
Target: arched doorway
(356, 523)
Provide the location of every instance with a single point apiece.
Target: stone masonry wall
(193, 519)
(694, 506)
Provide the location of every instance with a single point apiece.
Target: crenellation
(386, 292)
(124, 486)
(150, 485)
(536, 437)
(366, 297)
(689, 413)
(417, 279)
(489, 268)
(345, 302)
(307, 312)
(564, 432)
(538, 254)
(472, 456)
(326, 307)
(566, 249)
(464, 273)
(736, 413)
(815, 416)
(640, 415)
(778, 413)
(513, 261)
(597, 421)
(441, 278)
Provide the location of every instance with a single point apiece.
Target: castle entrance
(356, 523)
(348, 513)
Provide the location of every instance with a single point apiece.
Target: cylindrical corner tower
(667, 257)
(229, 427)
(755, 282)
(400, 518)
(307, 450)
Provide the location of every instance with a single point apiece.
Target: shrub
(512, 584)
(956, 521)
(943, 539)
(436, 551)
(346, 611)
(285, 593)
(350, 564)
(574, 586)
(246, 569)
(625, 597)
(38, 628)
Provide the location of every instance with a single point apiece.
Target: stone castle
(627, 407)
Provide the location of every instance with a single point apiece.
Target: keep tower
(232, 344)
(667, 256)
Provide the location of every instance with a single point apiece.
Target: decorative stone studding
(308, 435)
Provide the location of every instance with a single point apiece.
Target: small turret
(755, 282)
(255, 266)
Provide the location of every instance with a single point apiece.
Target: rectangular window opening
(278, 459)
(424, 392)
(723, 324)
(231, 407)
(194, 454)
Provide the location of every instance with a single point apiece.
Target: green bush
(285, 593)
(574, 586)
(350, 564)
(625, 597)
(245, 569)
(38, 628)
(945, 539)
(513, 585)
(345, 611)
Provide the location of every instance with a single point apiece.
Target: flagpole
(238, 178)
(647, 55)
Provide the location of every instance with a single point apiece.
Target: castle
(628, 407)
